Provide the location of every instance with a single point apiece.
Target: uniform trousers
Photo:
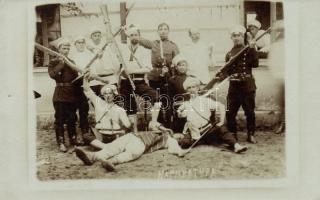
(247, 101)
(65, 112)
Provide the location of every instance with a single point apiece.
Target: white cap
(194, 30)
(113, 88)
(79, 38)
(238, 29)
(58, 42)
(189, 82)
(131, 30)
(255, 23)
(95, 30)
(178, 58)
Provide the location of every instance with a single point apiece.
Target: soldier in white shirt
(200, 56)
(111, 120)
(81, 56)
(198, 112)
(106, 65)
(138, 63)
(262, 45)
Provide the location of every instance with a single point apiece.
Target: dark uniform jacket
(64, 91)
(170, 50)
(241, 78)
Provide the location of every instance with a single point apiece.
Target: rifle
(223, 72)
(96, 56)
(67, 60)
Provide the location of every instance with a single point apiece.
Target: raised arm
(146, 43)
(88, 91)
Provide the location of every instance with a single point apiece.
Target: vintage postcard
(159, 94)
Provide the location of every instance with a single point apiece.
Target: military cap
(132, 29)
(79, 38)
(238, 29)
(60, 41)
(255, 23)
(109, 87)
(189, 82)
(178, 58)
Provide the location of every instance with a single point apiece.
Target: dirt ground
(263, 160)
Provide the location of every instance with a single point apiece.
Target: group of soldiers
(155, 79)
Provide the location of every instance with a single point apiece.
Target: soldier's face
(253, 30)
(193, 89)
(134, 38)
(64, 49)
(237, 38)
(182, 67)
(108, 96)
(80, 45)
(163, 32)
(195, 36)
(96, 37)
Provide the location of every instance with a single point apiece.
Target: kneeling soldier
(198, 112)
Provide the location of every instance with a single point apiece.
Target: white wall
(213, 18)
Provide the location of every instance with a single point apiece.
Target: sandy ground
(263, 160)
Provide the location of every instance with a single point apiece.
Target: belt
(111, 132)
(240, 77)
(64, 84)
(135, 77)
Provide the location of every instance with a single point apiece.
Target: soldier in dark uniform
(65, 96)
(242, 87)
(162, 53)
(177, 91)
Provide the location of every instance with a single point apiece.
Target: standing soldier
(242, 87)
(162, 53)
(263, 45)
(106, 65)
(138, 62)
(82, 57)
(65, 95)
(200, 55)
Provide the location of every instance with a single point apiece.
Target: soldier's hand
(252, 43)
(100, 54)
(219, 124)
(165, 70)
(60, 60)
(85, 82)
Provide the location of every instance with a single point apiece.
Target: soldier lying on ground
(198, 112)
(131, 146)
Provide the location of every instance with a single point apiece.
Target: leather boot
(251, 138)
(60, 139)
(87, 157)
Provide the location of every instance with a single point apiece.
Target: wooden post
(273, 18)
(45, 41)
(123, 17)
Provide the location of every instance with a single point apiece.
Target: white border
(292, 132)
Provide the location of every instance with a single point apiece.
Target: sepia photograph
(158, 90)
